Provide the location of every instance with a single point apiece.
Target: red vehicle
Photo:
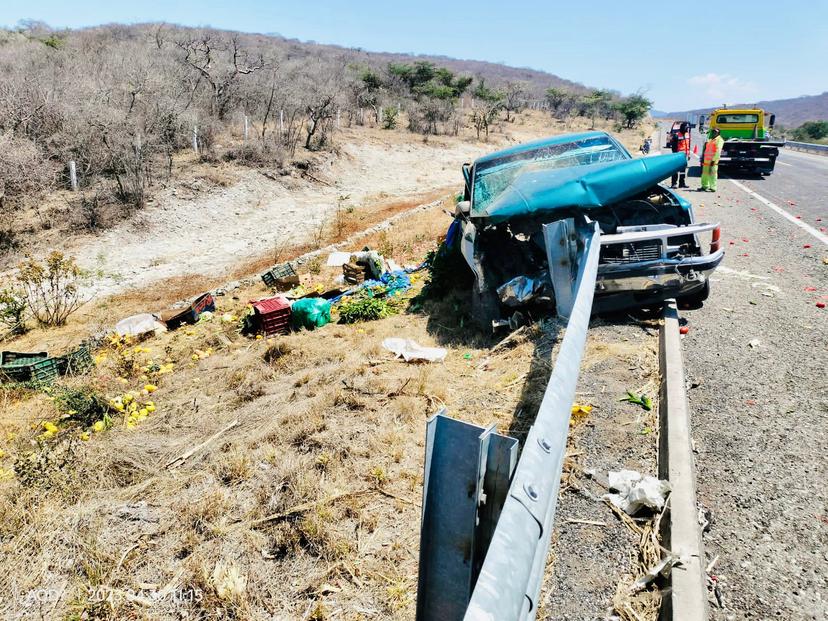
(675, 129)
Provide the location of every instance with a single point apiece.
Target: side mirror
(772, 120)
(462, 208)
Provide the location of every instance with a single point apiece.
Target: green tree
(811, 131)
(556, 98)
(596, 103)
(426, 79)
(634, 109)
(484, 93)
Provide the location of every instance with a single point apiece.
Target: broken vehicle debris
(521, 206)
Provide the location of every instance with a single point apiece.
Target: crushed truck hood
(594, 185)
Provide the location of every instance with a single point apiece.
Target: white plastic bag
(410, 350)
(139, 324)
(338, 259)
(634, 491)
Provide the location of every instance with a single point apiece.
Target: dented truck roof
(576, 170)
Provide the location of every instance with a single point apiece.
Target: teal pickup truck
(651, 247)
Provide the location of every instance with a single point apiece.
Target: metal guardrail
(483, 551)
(807, 146)
(509, 582)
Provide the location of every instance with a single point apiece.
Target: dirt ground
(281, 478)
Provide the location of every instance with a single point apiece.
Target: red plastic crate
(272, 315)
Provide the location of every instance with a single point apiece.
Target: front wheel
(485, 307)
(697, 298)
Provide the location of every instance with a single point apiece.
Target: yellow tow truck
(749, 145)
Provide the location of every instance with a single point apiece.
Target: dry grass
(321, 414)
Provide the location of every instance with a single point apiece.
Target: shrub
(257, 154)
(447, 271)
(23, 168)
(13, 309)
(82, 404)
(366, 306)
(389, 117)
(51, 287)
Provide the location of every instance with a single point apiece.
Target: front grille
(631, 252)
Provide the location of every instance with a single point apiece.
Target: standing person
(680, 143)
(710, 160)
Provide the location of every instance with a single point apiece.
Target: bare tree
(201, 54)
(514, 97)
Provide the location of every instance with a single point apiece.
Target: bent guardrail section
(508, 583)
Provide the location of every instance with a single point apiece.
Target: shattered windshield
(493, 177)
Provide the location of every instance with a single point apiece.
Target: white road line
(784, 163)
(806, 227)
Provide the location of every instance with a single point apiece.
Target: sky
(682, 55)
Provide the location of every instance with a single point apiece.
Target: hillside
(789, 112)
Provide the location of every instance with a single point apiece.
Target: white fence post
(281, 121)
(195, 139)
(245, 127)
(337, 118)
(73, 176)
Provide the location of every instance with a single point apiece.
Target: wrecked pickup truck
(650, 243)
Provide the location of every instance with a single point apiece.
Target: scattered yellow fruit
(50, 427)
(99, 426)
(150, 388)
(84, 435)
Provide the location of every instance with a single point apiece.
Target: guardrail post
(468, 469)
(73, 176)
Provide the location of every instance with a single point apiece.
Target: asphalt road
(756, 356)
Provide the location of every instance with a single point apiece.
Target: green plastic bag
(310, 313)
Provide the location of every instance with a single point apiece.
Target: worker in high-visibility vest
(710, 161)
(680, 143)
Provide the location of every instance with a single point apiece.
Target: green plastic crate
(75, 362)
(39, 371)
(17, 358)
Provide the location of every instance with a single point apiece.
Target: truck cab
(749, 145)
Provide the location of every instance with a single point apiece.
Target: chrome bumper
(675, 276)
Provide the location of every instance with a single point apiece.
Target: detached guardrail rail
(807, 146)
(484, 539)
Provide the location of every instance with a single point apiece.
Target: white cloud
(723, 88)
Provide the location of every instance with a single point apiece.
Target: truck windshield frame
(737, 119)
